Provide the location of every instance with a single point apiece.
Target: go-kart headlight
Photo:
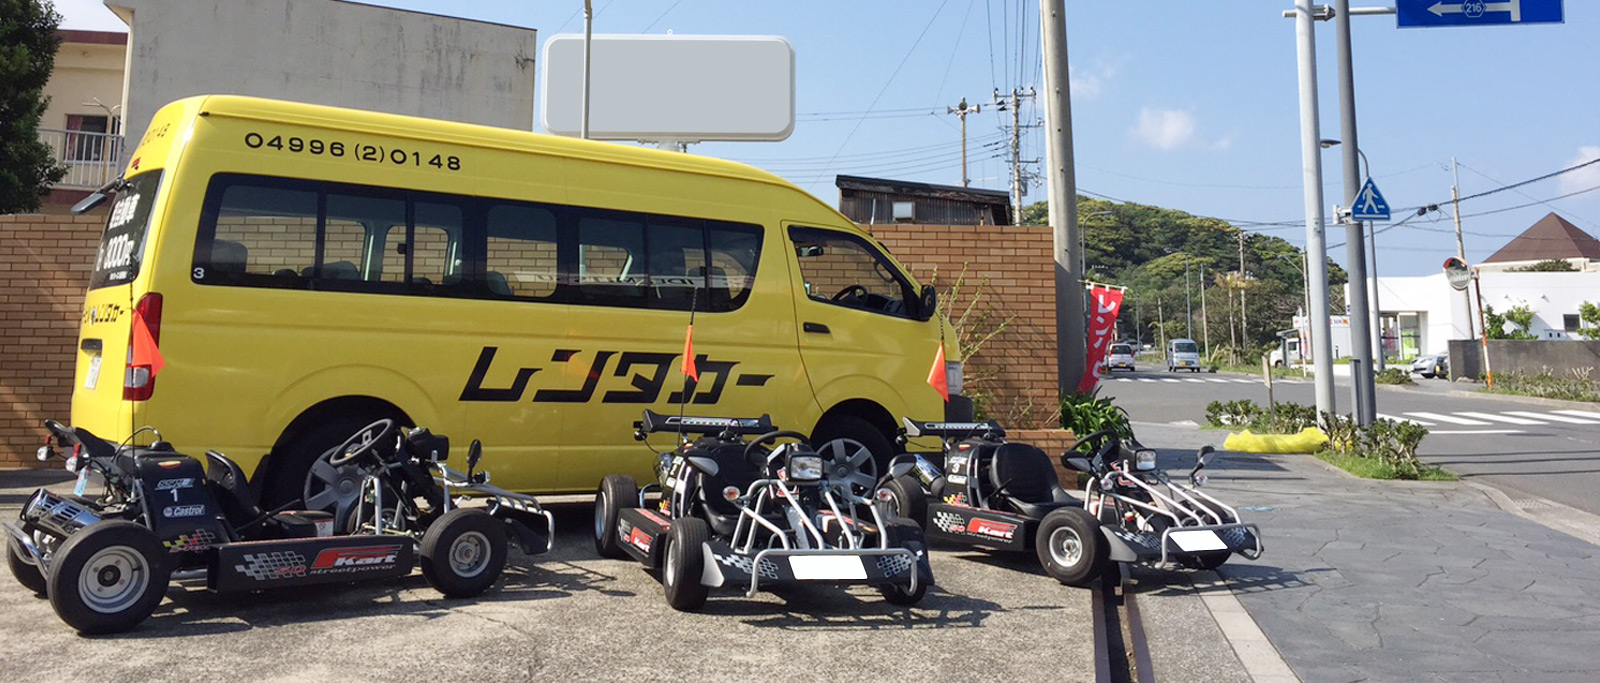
(1144, 461)
(805, 468)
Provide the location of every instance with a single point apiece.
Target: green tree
(1589, 313)
(1553, 265)
(28, 45)
(1518, 318)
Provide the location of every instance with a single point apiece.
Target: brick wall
(45, 260)
(1000, 280)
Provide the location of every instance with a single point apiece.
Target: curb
(1261, 659)
(1571, 521)
(1536, 400)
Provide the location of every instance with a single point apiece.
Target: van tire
(852, 427)
(286, 480)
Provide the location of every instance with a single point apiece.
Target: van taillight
(138, 382)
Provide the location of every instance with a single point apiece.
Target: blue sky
(1186, 105)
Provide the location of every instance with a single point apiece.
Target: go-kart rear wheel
(907, 499)
(904, 533)
(685, 563)
(1070, 547)
(616, 492)
(463, 552)
(27, 574)
(108, 577)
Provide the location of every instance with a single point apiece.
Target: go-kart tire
(904, 533)
(27, 574)
(463, 552)
(616, 492)
(685, 563)
(108, 577)
(1070, 547)
(908, 500)
(1207, 559)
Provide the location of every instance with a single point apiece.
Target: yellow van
(306, 269)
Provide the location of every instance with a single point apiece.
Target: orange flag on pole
(937, 376)
(144, 347)
(689, 367)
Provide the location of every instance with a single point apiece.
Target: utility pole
(1063, 194)
(1205, 327)
(1013, 102)
(1188, 302)
(961, 111)
(1316, 242)
(1244, 283)
(1355, 243)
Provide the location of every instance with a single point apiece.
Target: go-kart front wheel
(907, 499)
(1207, 559)
(108, 577)
(27, 574)
(904, 533)
(463, 552)
(1070, 547)
(616, 492)
(685, 563)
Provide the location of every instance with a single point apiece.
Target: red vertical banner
(1104, 304)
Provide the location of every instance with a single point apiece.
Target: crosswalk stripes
(1218, 381)
(1561, 416)
(1171, 381)
(1512, 419)
(1196, 381)
(1382, 416)
(1579, 413)
(1441, 417)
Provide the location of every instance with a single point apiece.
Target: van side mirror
(927, 303)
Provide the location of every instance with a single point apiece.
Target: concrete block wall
(46, 261)
(1006, 279)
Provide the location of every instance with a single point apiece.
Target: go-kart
(1146, 517)
(105, 562)
(758, 514)
(996, 494)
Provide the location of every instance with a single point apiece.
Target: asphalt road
(1548, 451)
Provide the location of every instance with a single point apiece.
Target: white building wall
(326, 52)
(1549, 295)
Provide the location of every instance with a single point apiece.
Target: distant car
(1121, 356)
(1183, 354)
(1431, 365)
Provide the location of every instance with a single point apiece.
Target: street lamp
(1365, 167)
(1372, 262)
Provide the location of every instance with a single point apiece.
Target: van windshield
(1186, 347)
(122, 243)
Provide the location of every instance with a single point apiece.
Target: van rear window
(122, 243)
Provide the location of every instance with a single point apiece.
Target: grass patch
(1373, 468)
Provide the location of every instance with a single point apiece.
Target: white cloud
(1089, 83)
(1583, 178)
(1164, 128)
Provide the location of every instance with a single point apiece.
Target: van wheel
(855, 428)
(286, 482)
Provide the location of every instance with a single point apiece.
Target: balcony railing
(92, 159)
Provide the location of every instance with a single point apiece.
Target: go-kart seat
(732, 470)
(240, 506)
(1028, 479)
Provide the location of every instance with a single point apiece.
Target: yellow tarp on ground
(1307, 441)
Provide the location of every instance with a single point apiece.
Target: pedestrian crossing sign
(1370, 204)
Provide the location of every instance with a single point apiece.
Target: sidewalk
(1401, 581)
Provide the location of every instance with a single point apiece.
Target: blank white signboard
(684, 88)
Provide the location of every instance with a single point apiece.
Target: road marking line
(1440, 417)
(1476, 431)
(1404, 419)
(1591, 415)
(1173, 381)
(1196, 381)
(1556, 418)
(1146, 379)
(1218, 381)
(1502, 418)
(1248, 381)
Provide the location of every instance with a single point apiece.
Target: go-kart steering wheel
(1105, 439)
(362, 442)
(850, 291)
(752, 450)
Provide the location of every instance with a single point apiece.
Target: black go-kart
(1146, 517)
(105, 561)
(996, 494)
(759, 514)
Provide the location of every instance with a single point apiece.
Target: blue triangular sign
(1370, 204)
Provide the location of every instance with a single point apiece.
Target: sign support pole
(1355, 242)
(1316, 243)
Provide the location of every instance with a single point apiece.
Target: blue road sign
(1427, 13)
(1370, 204)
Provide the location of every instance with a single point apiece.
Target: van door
(859, 332)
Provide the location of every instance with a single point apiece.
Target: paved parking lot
(569, 615)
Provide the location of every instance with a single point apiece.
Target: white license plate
(92, 377)
(1196, 541)
(826, 567)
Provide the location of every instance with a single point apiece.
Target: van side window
(260, 235)
(522, 256)
(735, 251)
(422, 259)
(611, 265)
(844, 270)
